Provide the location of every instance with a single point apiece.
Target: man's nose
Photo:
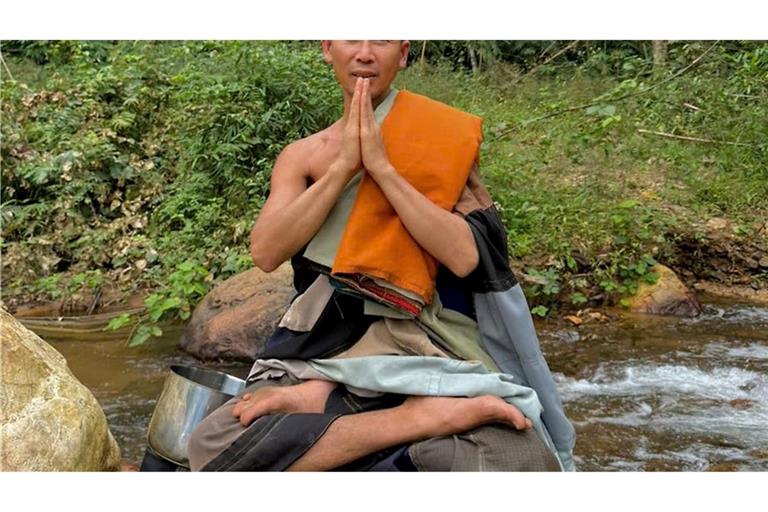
(364, 53)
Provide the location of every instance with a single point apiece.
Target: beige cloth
(306, 309)
(393, 337)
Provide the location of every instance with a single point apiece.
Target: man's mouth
(364, 75)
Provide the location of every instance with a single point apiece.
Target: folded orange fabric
(433, 146)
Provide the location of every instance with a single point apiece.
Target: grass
(586, 185)
(589, 202)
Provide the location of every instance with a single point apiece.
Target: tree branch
(694, 139)
(6, 67)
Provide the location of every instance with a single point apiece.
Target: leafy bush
(145, 164)
(153, 148)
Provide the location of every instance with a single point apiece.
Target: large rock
(668, 296)
(49, 421)
(234, 320)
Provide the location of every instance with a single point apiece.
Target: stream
(645, 393)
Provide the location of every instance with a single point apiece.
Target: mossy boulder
(668, 296)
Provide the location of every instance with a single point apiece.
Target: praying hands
(362, 143)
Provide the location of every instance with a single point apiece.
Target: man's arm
(293, 213)
(447, 237)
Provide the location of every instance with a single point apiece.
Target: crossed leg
(353, 436)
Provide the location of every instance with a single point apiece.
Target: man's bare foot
(443, 416)
(309, 396)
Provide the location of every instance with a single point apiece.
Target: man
(383, 360)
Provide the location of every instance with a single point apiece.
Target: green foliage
(186, 286)
(143, 149)
(49, 286)
(146, 163)
(119, 322)
(58, 52)
(623, 279)
(89, 280)
(583, 195)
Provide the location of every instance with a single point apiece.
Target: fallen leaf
(595, 315)
(574, 320)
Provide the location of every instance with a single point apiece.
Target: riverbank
(139, 171)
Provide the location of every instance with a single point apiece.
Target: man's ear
(405, 47)
(327, 51)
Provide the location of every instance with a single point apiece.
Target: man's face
(380, 61)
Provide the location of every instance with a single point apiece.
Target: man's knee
(212, 435)
(486, 448)
(217, 431)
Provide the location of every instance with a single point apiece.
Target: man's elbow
(262, 258)
(467, 265)
(265, 264)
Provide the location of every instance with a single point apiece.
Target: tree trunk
(423, 52)
(659, 54)
(473, 60)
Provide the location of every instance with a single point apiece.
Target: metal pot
(189, 395)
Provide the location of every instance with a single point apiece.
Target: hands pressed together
(362, 144)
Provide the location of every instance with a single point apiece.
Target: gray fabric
(373, 308)
(486, 448)
(390, 336)
(296, 369)
(276, 368)
(436, 376)
(507, 333)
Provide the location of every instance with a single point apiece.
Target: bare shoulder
(303, 149)
(308, 156)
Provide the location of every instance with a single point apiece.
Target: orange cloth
(433, 146)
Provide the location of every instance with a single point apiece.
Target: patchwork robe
(481, 318)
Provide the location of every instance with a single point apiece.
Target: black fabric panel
(453, 292)
(272, 442)
(304, 272)
(492, 273)
(341, 324)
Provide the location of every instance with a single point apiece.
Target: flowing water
(645, 393)
(653, 393)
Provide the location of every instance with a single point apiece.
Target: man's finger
(516, 417)
(354, 109)
(238, 408)
(367, 116)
